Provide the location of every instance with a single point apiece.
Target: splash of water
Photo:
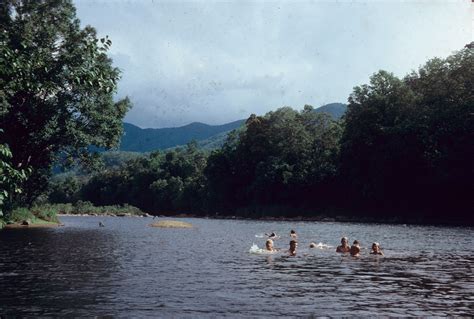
(256, 250)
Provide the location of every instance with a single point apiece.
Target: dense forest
(404, 148)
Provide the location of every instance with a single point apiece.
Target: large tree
(285, 158)
(56, 87)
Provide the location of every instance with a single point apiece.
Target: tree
(56, 88)
(285, 158)
(10, 178)
(159, 182)
(379, 149)
(445, 104)
(64, 188)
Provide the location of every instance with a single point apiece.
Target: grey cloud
(218, 61)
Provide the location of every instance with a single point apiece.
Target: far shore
(104, 215)
(324, 219)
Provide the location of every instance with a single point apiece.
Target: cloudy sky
(215, 62)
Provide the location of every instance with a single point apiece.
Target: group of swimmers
(354, 250)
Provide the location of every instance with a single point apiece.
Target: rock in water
(171, 224)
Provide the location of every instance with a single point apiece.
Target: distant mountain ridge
(136, 139)
(336, 110)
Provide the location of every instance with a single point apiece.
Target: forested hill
(336, 110)
(136, 139)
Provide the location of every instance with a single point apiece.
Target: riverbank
(29, 218)
(38, 223)
(49, 212)
(46, 215)
(82, 208)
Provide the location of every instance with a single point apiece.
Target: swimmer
(376, 249)
(269, 245)
(293, 235)
(355, 249)
(313, 245)
(293, 245)
(101, 224)
(344, 247)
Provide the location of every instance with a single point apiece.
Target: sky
(219, 61)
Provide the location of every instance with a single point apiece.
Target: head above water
(355, 250)
(344, 240)
(356, 243)
(269, 244)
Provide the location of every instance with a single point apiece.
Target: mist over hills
(136, 139)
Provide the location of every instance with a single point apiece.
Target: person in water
(269, 245)
(313, 245)
(376, 249)
(293, 245)
(355, 249)
(344, 247)
(293, 235)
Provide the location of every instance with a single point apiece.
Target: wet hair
(292, 232)
(356, 242)
(312, 245)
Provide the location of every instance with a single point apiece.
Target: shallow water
(128, 269)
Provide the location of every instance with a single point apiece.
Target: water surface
(128, 269)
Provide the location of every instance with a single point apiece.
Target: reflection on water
(129, 269)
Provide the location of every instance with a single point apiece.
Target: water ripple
(128, 269)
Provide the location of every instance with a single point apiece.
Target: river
(128, 269)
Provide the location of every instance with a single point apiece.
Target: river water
(127, 269)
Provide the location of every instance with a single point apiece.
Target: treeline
(404, 149)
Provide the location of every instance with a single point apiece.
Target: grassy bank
(87, 208)
(34, 217)
(47, 214)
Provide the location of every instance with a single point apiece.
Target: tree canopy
(284, 158)
(408, 144)
(56, 88)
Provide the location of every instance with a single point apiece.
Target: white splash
(259, 251)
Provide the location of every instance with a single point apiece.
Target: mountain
(209, 137)
(136, 139)
(336, 110)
